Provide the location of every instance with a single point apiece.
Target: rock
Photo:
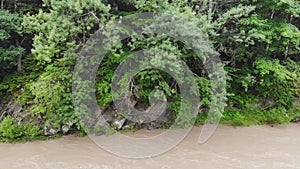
(155, 111)
(13, 109)
(109, 114)
(265, 104)
(126, 127)
(65, 129)
(16, 109)
(49, 130)
(119, 123)
(152, 126)
(100, 133)
(2, 115)
(296, 120)
(53, 131)
(69, 123)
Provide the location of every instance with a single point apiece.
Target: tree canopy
(257, 41)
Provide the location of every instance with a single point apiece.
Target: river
(262, 147)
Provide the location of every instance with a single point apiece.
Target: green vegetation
(11, 130)
(258, 42)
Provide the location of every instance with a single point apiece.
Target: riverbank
(242, 147)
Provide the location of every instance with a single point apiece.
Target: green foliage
(59, 30)
(273, 75)
(10, 30)
(258, 117)
(11, 130)
(10, 23)
(50, 99)
(257, 40)
(65, 26)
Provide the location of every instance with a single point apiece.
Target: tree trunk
(287, 47)
(210, 10)
(2, 4)
(19, 67)
(286, 51)
(19, 63)
(272, 16)
(15, 5)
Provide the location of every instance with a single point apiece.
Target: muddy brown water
(262, 147)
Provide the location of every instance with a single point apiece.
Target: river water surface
(262, 147)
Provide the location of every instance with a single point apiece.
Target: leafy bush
(12, 131)
(258, 42)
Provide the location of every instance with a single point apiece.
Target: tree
(258, 42)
